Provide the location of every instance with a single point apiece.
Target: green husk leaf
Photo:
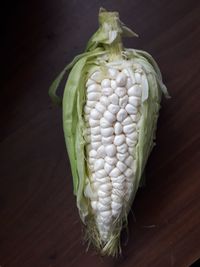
(71, 114)
(55, 85)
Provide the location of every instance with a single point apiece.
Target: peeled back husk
(104, 50)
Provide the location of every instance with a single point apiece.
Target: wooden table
(39, 222)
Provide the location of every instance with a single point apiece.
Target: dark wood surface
(39, 223)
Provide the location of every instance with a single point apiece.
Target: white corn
(113, 132)
(110, 108)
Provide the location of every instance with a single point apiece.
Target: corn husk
(104, 48)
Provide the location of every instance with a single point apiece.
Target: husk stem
(110, 20)
(109, 35)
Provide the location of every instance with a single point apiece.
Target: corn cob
(110, 109)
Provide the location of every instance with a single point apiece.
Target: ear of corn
(110, 110)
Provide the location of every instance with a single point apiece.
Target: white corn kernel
(123, 101)
(94, 88)
(89, 82)
(95, 138)
(113, 108)
(102, 207)
(113, 73)
(121, 79)
(121, 115)
(114, 99)
(129, 83)
(128, 172)
(111, 160)
(95, 130)
(107, 91)
(135, 117)
(118, 128)
(95, 115)
(133, 136)
(119, 179)
(116, 205)
(100, 153)
(96, 76)
(92, 153)
(105, 83)
(122, 156)
(125, 71)
(127, 121)
(111, 150)
(109, 116)
(130, 142)
(101, 193)
(99, 164)
(91, 104)
(106, 187)
(121, 166)
(100, 173)
(122, 149)
(131, 109)
(116, 213)
(129, 161)
(103, 180)
(100, 108)
(119, 139)
(106, 132)
(115, 172)
(113, 84)
(117, 186)
(127, 129)
(94, 123)
(104, 123)
(120, 91)
(116, 198)
(131, 150)
(105, 200)
(107, 140)
(106, 214)
(95, 186)
(104, 101)
(108, 168)
(135, 101)
(106, 222)
(119, 192)
(88, 192)
(135, 90)
(95, 145)
(91, 162)
(93, 96)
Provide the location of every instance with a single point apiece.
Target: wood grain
(39, 223)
